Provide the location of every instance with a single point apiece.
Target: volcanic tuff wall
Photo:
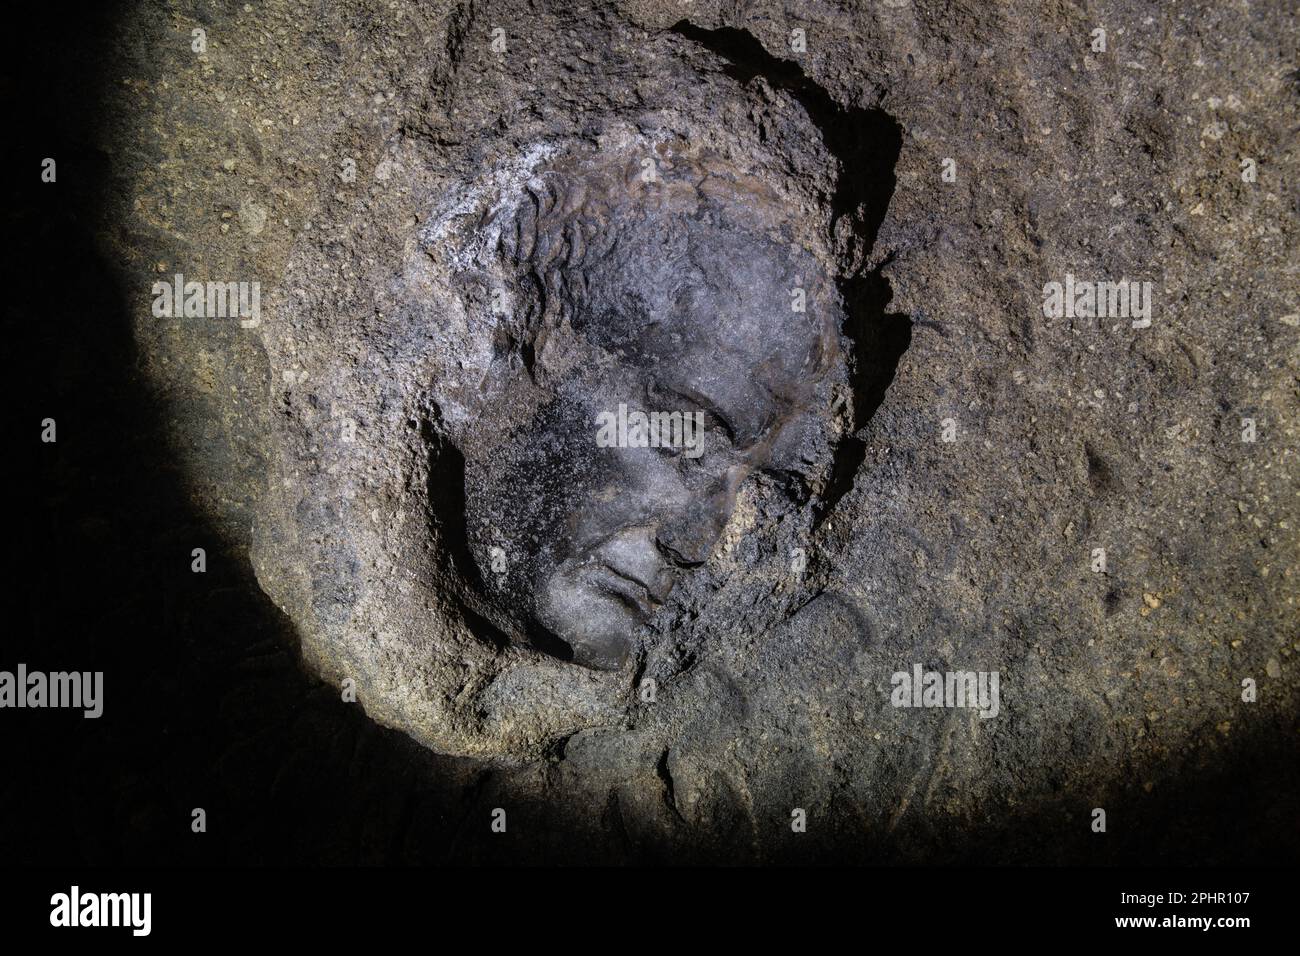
(955, 159)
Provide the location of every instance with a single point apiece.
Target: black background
(205, 703)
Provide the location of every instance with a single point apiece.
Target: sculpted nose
(687, 538)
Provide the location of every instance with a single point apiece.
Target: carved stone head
(659, 330)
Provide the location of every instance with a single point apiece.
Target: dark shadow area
(462, 575)
(879, 340)
(866, 142)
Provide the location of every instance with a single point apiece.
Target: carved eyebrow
(703, 403)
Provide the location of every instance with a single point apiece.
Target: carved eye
(664, 397)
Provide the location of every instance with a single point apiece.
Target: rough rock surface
(1120, 689)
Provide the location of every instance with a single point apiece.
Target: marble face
(661, 338)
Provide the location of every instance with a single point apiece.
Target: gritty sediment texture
(936, 165)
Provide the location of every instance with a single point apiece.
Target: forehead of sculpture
(569, 206)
